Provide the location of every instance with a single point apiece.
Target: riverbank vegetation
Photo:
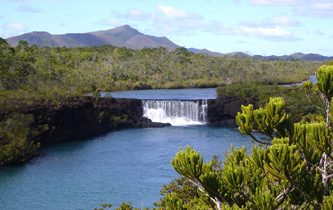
(294, 171)
(79, 70)
(300, 102)
(31, 75)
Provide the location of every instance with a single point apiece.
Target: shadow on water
(127, 165)
(124, 165)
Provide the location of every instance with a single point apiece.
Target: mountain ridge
(122, 36)
(126, 36)
(295, 56)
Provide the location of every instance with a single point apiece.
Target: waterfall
(176, 112)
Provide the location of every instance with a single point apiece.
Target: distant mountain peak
(205, 52)
(295, 56)
(121, 36)
(123, 28)
(40, 32)
(239, 54)
(298, 54)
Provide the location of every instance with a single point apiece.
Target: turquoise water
(165, 94)
(128, 165)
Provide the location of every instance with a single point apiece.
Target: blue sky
(253, 26)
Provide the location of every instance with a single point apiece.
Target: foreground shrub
(293, 172)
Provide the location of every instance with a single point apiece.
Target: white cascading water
(177, 113)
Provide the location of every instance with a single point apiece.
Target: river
(126, 165)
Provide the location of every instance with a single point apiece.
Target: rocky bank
(223, 110)
(79, 118)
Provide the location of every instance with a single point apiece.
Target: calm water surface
(167, 94)
(128, 165)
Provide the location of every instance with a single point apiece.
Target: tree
(15, 64)
(15, 146)
(294, 170)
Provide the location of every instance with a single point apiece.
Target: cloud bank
(179, 22)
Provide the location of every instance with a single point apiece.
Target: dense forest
(300, 103)
(81, 70)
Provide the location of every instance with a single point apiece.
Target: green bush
(15, 132)
(293, 172)
(296, 103)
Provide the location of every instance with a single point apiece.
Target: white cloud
(135, 14)
(274, 2)
(261, 30)
(167, 19)
(317, 8)
(111, 22)
(319, 33)
(33, 1)
(185, 26)
(323, 6)
(130, 17)
(284, 21)
(171, 12)
(271, 32)
(28, 9)
(281, 21)
(176, 21)
(324, 9)
(173, 21)
(257, 30)
(24, 1)
(12, 29)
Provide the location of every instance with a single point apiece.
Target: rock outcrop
(223, 110)
(84, 117)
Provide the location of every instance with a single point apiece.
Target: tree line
(81, 70)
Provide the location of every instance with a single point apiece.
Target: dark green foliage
(15, 65)
(324, 75)
(296, 103)
(17, 152)
(271, 120)
(15, 148)
(172, 201)
(181, 188)
(328, 203)
(104, 206)
(123, 206)
(111, 68)
(188, 162)
(294, 172)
